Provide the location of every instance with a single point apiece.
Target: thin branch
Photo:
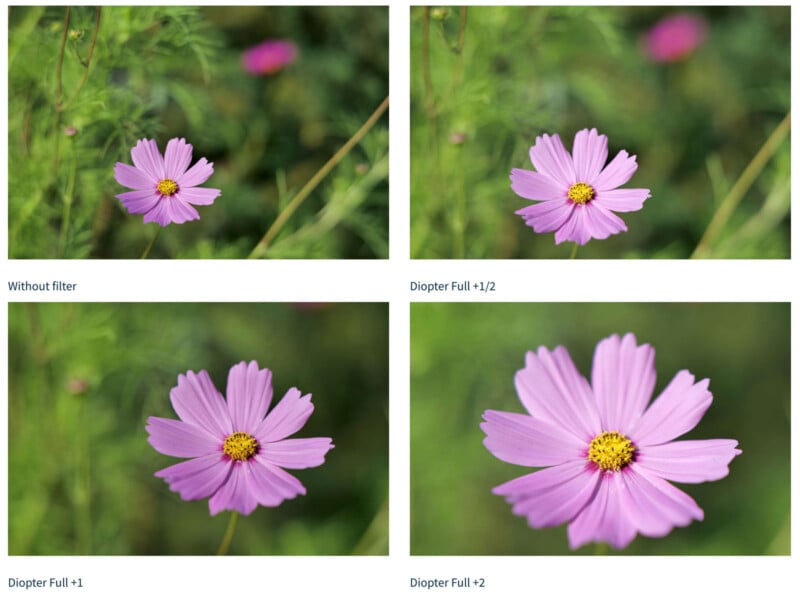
(290, 208)
(60, 64)
(736, 193)
(88, 57)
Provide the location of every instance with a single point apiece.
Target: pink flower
(269, 57)
(674, 37)
(165, 187)
(577, 193)
(607, 456)
(237, 453)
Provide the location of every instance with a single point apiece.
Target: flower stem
(60, 63)
(287, 212)
(736, 193)
(150, 245)
(67, 202)
(88, 60)
(601, 547)
(228, 537)
(574, 251)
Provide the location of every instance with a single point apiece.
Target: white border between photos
(388, 281)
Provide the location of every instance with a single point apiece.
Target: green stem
(60, 63)
(574, 251)
(88, 59)
(287, 212)
(601, 547)
(228, 537)
(59, 95)
(736, 193)
(150, 245)
(68, 197)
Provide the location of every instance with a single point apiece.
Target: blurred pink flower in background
(674, 37)
(269, 57)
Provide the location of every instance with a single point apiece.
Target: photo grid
(267, 331)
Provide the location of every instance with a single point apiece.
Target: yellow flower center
(611, 451)
(580, 193)
(240, 446)
(168, 187)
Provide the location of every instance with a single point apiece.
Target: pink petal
(198, 196)
(547, 216)
(177, 158)
(249, 394)
(523, 440)
(604, 518)
(623, 379)
(159, 214)
(551, 496)
(197, 478)
(552, 389)
(622, 200)
(235, 493)
(536, 186)
(139, 201)
(197, 401)
(601, 223)
(575, 229)
(198, 174)
(676, 411)
(288, 416)
(550, 158)
(271, 484)
(130, 177)
(655, 506)
(616, 173)
(589, 151)
(689, 461)
(297, 453)
(171, 209)
(180, 439)
(146, 157)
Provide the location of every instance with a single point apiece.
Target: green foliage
(84, 378)
(524, 71)
(175, 71)
(463, 361)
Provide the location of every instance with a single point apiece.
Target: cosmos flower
(577, 193)
(269, 57)
(607, 455)
(237, 452)
(674, 37)
(164, 188)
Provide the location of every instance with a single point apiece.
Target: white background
(388, 281)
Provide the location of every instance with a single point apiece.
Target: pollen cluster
(611, 451)
(240, 446)
(167, 187)
(580, 193)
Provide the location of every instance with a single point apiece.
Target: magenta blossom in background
(237, 452)
(165, 187)
(674, 37)
(577, 193)
(607, 455)
(269, 57)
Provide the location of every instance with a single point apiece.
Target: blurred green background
(175, 71)
(83, 379)
(523, 71)
(463, 361)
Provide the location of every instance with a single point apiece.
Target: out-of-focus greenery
(524, 71)
(463, 361)
(83, 379)
(175, 71)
